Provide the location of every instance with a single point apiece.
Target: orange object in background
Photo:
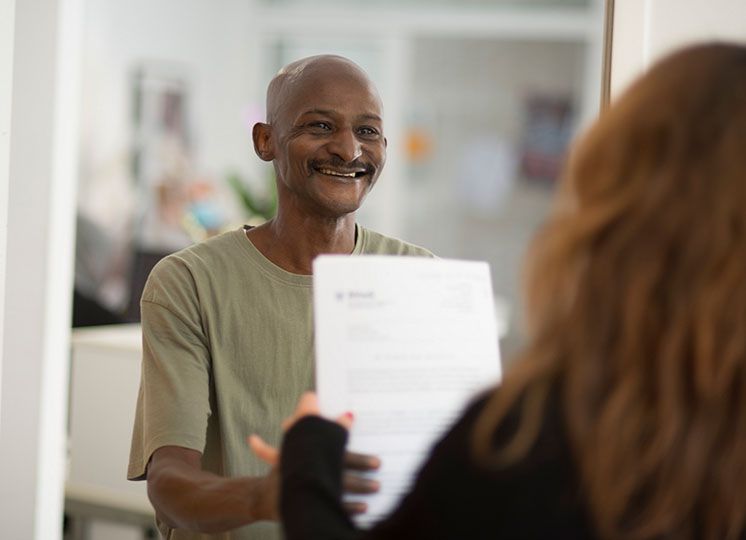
(418, 144)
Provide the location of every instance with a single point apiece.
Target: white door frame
(38, 161)
(642, 31)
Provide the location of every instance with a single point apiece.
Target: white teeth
(335, 173)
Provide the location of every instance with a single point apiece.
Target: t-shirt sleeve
(173, 404)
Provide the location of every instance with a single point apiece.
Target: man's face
(328, 141)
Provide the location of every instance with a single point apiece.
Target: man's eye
(369, 131)
(322, 126)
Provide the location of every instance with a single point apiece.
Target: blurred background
(481, 97)
(127, 125)
(481, 100)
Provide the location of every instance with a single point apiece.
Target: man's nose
(345, 145)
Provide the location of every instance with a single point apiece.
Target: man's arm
(186, 497)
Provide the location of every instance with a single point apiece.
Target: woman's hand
(308, 405)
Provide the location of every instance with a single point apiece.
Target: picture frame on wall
(162, 155)
(162, 168)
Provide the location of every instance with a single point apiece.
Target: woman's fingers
(264, 451)
(308, 404)
(345, 420)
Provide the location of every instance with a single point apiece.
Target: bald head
(324, 136)
(300, 76)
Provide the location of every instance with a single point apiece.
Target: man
(227, 329)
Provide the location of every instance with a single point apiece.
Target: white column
(646, 30)
(630, 46)
(7, 26)
(38, 264)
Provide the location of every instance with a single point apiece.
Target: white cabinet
(104, 380)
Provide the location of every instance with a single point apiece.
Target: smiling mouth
(341, 173)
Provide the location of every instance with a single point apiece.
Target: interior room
(481, 100)
(143, 112)
(447, 119)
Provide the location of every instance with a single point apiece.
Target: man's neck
(294, 245)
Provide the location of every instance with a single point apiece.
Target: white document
(403, 343)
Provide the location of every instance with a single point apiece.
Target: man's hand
(353, 481)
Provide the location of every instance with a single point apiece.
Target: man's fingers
(355, 507)
(265, 452)
(353, 483)
(361, 462)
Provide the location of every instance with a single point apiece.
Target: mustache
(340, 164)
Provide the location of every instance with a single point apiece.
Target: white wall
(38, 267)
(644, 30)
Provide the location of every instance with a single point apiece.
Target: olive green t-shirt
(227, 351)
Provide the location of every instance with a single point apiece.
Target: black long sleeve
(452, 497)
(311, 473)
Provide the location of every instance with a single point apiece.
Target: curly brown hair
(636, 307)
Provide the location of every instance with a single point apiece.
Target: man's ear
(262, 135)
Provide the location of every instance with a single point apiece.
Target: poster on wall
(549, 122)
(162, 169)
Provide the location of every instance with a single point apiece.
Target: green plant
(255, 205)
